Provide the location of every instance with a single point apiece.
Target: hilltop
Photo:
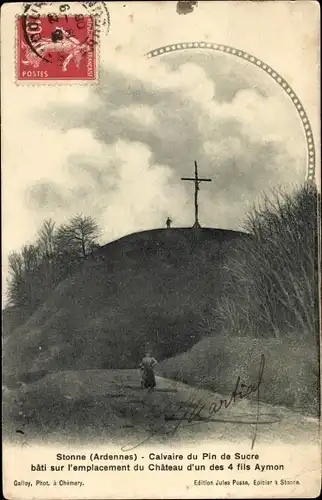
(149, 289)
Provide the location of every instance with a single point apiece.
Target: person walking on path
(147, 372)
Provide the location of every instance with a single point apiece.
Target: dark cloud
(180, 129)
(230, 73)
(44, 195)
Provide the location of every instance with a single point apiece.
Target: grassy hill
(149, 289)
(12, 317)
(208, 303)
(270, 306)
(290, 374)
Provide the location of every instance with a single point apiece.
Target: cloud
(143, 197)
(42, 195)
(118, 184)
(118, 151)
(142, 115)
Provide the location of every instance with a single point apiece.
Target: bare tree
(46, 238)
(15, 264)
(273, 274)
(23, 268)
(15, 281)
(47, 244)
(37, 269)
(30, 256)
(78, 237)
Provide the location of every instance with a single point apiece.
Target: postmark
(60, 42)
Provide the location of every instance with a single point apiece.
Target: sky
(117, 150)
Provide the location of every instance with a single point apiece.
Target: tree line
(272, 288)
(57, 252)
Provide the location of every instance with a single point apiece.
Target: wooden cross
(197, 181)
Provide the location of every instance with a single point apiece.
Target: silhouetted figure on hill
(147, 372)
(168, 222)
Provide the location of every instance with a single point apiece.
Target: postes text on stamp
(56, 47)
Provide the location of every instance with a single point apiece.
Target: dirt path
(99, 405)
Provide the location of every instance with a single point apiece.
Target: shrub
(290, 376)
(271, 285)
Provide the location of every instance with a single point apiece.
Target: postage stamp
(56, 47)
(59, 42)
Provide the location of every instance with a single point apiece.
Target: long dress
(148, 378)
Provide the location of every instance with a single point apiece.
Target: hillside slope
(150, 289)
(290, 373)
(12, 318)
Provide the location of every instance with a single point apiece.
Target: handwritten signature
(190, 410)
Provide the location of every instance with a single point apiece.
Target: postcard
(160, 250)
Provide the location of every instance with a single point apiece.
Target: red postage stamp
(56, 47)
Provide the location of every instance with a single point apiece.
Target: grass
(150, 289)
(269, 304)
(272, 284)
(290, 378)
(89, 406)
(209, 301)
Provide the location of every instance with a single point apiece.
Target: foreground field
(108, 405)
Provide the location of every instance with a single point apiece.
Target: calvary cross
(197, 181)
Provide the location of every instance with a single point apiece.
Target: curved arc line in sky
(246, 56)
